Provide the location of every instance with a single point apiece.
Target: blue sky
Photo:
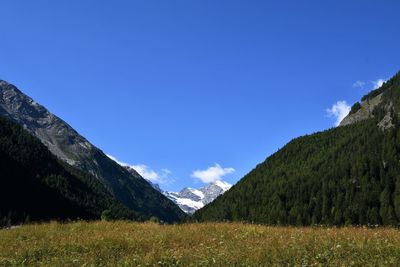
(182, 86)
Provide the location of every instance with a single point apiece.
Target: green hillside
(346, 175)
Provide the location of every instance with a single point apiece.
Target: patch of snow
(190, 203)
(223, 185)
(197, 192)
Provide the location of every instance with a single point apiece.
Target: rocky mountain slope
(65, 143)
(190, 200)
(345, 175)
(36, 186)
(367, 109)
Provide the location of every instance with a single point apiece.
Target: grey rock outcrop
(365, 112)
(58, 136)
(386, 122)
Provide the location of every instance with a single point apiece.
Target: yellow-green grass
(208, 244)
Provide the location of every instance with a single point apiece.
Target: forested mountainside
(345, 175)
(36, 186)
(129, 188)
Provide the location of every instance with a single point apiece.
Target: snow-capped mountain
(190, 199)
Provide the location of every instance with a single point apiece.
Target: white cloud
(378, 83)
(147, 173)
(162, 177)
(359, 84)
(212, 174)
(338, 111)
(117, 161)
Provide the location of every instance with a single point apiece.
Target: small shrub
(154, 219)
(106, 215)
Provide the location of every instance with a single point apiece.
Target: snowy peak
(190, 199)
(223, 185)
(191, 193)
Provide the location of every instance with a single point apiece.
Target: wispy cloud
(212, 174)
(375, 84)
(339, 110)
(147, 173)
(359, 84)
(378, 83)
(161, 177)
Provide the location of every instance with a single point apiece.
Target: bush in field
(154, 219)
(106, 215)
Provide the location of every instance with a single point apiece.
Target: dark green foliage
(106, 215)
(346, 175)
(356, 107)
(35, 186)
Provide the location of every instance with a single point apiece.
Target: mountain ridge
(68, 145)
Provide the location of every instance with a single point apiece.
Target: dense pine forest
(341, 176)
(36, 186)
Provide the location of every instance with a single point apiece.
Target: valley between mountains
(200, 133)
(346, 175)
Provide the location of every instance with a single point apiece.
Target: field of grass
(213, 244)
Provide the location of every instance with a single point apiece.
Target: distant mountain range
(341, 176)
(128, 188)
(191, 200)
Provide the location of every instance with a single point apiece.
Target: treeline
(36, 186)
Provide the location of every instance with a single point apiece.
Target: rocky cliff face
(364, 112)
(59, 137)
(64, 142)
(382, 103)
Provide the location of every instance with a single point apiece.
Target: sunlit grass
(225, 244)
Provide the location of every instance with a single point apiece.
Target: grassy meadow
(206, 244)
